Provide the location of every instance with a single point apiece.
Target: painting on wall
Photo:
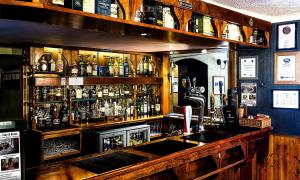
(218, 85)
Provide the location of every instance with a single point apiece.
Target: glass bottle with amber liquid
(110, 67)
(82, 67)
(52, 64)
(95, 66)
(74, 70)
(60, 63)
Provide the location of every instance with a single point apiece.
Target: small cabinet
(60, 144)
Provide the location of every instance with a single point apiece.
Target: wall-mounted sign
(184, 4)
(286, 36)
(218, 83)
(248, 67)
(248, 94)
(288, 99)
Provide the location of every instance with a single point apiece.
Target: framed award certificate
(286, 36)
(248, 67)
(288, 99)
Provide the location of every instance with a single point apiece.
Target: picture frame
(285, 99)
(248, 67)
(216, 80)
(249, 94)
(285, 68)
(287, 36)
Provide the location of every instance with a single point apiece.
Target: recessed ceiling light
(204, 51)
(145, 34)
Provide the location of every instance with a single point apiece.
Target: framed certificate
(286, 38)
(287, 99)
(248, 67)
(285, 66)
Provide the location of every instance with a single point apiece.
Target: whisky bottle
(121, 68)
(146, 65)
(43, 64)
(131, 104)
(78, 93)
(168, 20)
(150, 66)
(157, 106)
(116, 67)
(82, 67)
(122, 91)
(52, 65)
(58, 94)
(103, 7)
(126, 67)
(64, 114)
(60, 63)
(140, 69)
(74, 4)
(117, 91)
(111, 92)
(54, 115)
(85, 92)
(159, 14)
(89, 6)
(110, 67)
(74, 70)
(145, 107)
(126, 90)
(99, 92)
(105, 91)
(89, 68)
(95, 66)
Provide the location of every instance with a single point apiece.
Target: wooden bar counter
(199, 160)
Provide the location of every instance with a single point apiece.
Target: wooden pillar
(232, 71)
(165, 88)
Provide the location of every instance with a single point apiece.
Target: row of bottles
(87, 65)
(153, 12)
(111, 8)
(48, 94)
(51, 115)
(46, 63)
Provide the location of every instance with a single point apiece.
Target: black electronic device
(231, 120)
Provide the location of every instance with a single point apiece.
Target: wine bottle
(126, 67)
(60, 63)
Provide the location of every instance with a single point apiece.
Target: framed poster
(288, 99)
(248, 94)
(285, 66)
(248, 67)
(286, 38)
(218, 82)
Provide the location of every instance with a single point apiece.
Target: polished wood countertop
(66, 170)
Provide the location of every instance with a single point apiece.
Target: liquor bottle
(89, 68)
(121, 68)
(85, 92)
(140, 69)
(58, 94)
(110, 67)
(37, 94)
(146, 65)
(149, 11)
(111, 92)
(126, 67)
(117, 91)
(54, 116)
(95, 66)
(74, 4)
(44, 94)
(43, 64)
(122, 91)
(89, 6)
(116, 67)
(168, 20)
(64, 114)
(58, 2)
(157, 106)
(51, 94)
(52, 65)
(82, 112)
(150, 66)
(103, 7)
(105, 91)
(99, 92)
(82, 67)
(126, 90)
(78, 93)
(145, 107)
(138, 107)
(74, 70)
(152, 107)
(159, 14)
(60, 63)
(131, 104)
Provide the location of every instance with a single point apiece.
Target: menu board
(10, 159)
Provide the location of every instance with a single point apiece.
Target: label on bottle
(111, 70)
(78, 93)
(150, 68)
(121, 71)
(105, 91)
(99, 94)
(44, 67)
(52, 67)
(126, 92)
(60, 67)
(131, 110)
(111, 94)
(74, 71)
(114, 10)
(157, 107)
(89, 69)
(145, 108)
(58, 2)
(89, 6)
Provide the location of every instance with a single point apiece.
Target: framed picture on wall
(248, 94)
(248, 67)
(218, 84)
(287, 99)
(285, 68)
(286, 38)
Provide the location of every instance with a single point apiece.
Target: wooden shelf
(75, 130)
(57, 81)
(116, 123)
(63, 154)
(103, 32)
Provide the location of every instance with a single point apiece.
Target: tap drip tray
(165, 147)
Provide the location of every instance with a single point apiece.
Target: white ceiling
(270, 10)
